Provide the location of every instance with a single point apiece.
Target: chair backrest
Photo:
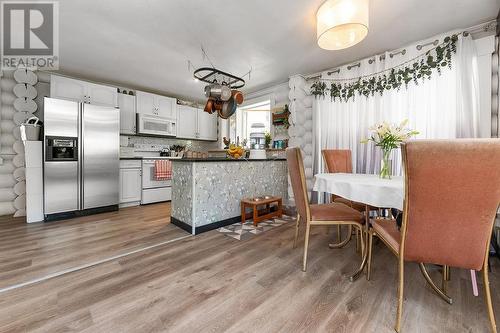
(337, 160)
(298, 180)
(452, 193)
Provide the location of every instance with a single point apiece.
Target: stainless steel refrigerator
(81, 163)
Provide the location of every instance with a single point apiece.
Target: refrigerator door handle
(80, 156)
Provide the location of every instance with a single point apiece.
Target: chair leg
(357, 241)
(487, 294)
(369, 264)
(446, 278)
(441, 294)
(344, 242)
(296, 231)
(306, 244)
(399, 312)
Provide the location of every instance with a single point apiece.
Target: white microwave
(155, 125)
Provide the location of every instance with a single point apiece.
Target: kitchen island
(206, 193)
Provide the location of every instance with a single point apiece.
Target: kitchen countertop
(150, 158)
(215, 159)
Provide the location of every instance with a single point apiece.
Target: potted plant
(267, 140)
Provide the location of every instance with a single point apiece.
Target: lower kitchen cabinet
(130, 183)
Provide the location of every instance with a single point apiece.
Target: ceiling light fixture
(341, 23)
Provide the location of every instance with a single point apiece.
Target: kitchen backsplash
(134, 140)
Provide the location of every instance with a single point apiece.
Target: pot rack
(210, 75)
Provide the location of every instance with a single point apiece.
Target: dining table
(371, 190)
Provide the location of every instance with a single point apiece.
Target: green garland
(421, 69)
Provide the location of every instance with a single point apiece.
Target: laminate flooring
(213, 283)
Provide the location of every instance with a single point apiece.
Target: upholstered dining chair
(452, 192)
(313, 215)
(340, 160)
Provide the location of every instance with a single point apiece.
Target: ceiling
(147, 44)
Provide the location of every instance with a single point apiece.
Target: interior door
(101, 160)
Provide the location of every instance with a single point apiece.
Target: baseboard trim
(204, 228)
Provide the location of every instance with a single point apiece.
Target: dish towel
(163, 170)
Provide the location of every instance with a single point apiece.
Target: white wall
(485, 48)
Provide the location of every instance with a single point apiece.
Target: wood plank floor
(213, 283)
(30, 251)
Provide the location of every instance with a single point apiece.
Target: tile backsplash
(134, 140)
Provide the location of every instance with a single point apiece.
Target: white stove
(154, 190)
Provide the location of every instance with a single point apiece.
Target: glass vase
(386, 165)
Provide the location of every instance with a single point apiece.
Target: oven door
(154, 125)
(148, 176)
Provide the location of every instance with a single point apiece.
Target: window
(250, 123)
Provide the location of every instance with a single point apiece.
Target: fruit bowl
(235, 152)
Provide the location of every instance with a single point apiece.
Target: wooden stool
(254, 204)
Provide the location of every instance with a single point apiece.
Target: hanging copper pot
(209, 106)
(217, 105)
(237, 96)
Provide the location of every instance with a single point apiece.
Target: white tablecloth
(368, 189)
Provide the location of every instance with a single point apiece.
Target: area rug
(247, 230)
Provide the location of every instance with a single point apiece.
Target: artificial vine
(415, 70)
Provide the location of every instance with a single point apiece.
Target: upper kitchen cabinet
(207, 125)
(82, 91)
(156, 105)
(126, 103)
(194, 123)
(187, 122)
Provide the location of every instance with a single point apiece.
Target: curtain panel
(443, 107)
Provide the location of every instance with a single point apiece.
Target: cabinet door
(187, 118)
(145, 103)
(207, 125)
(66, 88)
(130, 185)
(126, 103)
(166, 106)
(102, 95)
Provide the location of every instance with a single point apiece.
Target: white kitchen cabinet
(130, 182)
(126, 103)
(207, 125)
(194, 123)
(82, 91)
(102, 95)
(156, 105)
(187, 122)
(167, 107)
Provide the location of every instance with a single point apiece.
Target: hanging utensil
(218, 105)
(237, 96)
(218, 91)
(228, 108)
(209, 106)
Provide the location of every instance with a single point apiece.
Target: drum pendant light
(341, 23)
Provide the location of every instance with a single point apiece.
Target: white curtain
(446, 106)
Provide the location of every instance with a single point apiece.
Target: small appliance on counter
(257, 154)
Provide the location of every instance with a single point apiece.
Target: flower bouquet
(388, 137)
